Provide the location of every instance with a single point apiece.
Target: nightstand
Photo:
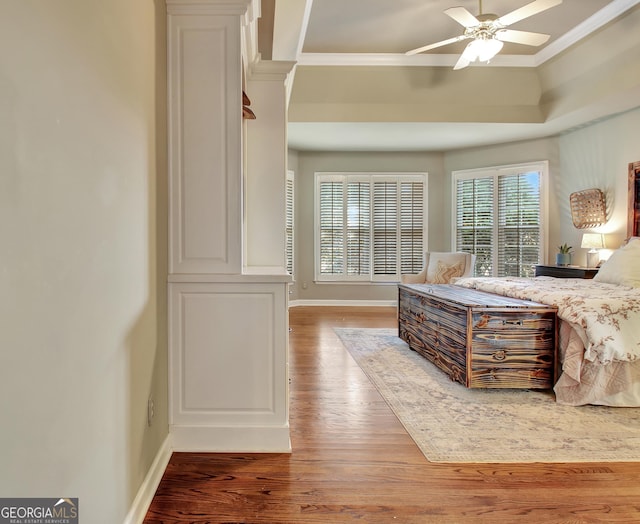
(566, 271)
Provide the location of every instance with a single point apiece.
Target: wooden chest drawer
(479, 339)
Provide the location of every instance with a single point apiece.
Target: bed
(599, 335)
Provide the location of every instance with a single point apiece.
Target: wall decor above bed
(633, 224)
(588, 208)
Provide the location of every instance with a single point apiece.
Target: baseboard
(207, 439)
(150, 484)
(354, 303)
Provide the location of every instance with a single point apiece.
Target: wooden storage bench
(479, 339)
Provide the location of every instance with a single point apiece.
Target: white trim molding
(261, 439)
(208, 7)
(342, 303)
(147, 490)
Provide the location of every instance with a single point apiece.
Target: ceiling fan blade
(522, 37)
(462, 16)
(535, 7)
(437, 44)
(461, 63)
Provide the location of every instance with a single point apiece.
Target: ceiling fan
(488, 32)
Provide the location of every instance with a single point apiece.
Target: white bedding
(605, 316)
(599, 334)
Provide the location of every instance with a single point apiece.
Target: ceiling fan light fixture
(487, 31)
(482, 49)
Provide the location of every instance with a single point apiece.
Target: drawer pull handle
(512, 322)
(500, 355)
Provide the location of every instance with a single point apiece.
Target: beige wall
(83, 249)
(599, 156)
(595, 155)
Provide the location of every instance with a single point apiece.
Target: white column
(228, 331)
(205, 135)
(266, 158)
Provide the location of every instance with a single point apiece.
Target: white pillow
(623, 267)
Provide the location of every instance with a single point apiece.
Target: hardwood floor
(352, 460)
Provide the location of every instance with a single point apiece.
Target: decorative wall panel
(205, 144)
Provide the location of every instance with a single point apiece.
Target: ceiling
(380, 26)
(355, 89)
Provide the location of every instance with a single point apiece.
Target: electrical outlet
(151, 411)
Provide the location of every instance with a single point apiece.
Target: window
(289, 221)
(369, 227)
(500, 215)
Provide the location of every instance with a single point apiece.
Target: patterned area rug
(451, 423)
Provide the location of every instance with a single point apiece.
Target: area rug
(451, 423)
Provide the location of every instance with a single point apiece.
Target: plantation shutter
(385, 228)
(411, 227)
(474, 221)
(331, 228)
(289, 218)
(370, 227)
(358, 228)
(499, 216)
(518, 224)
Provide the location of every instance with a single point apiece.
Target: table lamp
(592, 242)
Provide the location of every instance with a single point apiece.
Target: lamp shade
(592, 241)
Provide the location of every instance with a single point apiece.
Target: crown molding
(402, 60)
(591, 24)
(269, 70)
(208, 7)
